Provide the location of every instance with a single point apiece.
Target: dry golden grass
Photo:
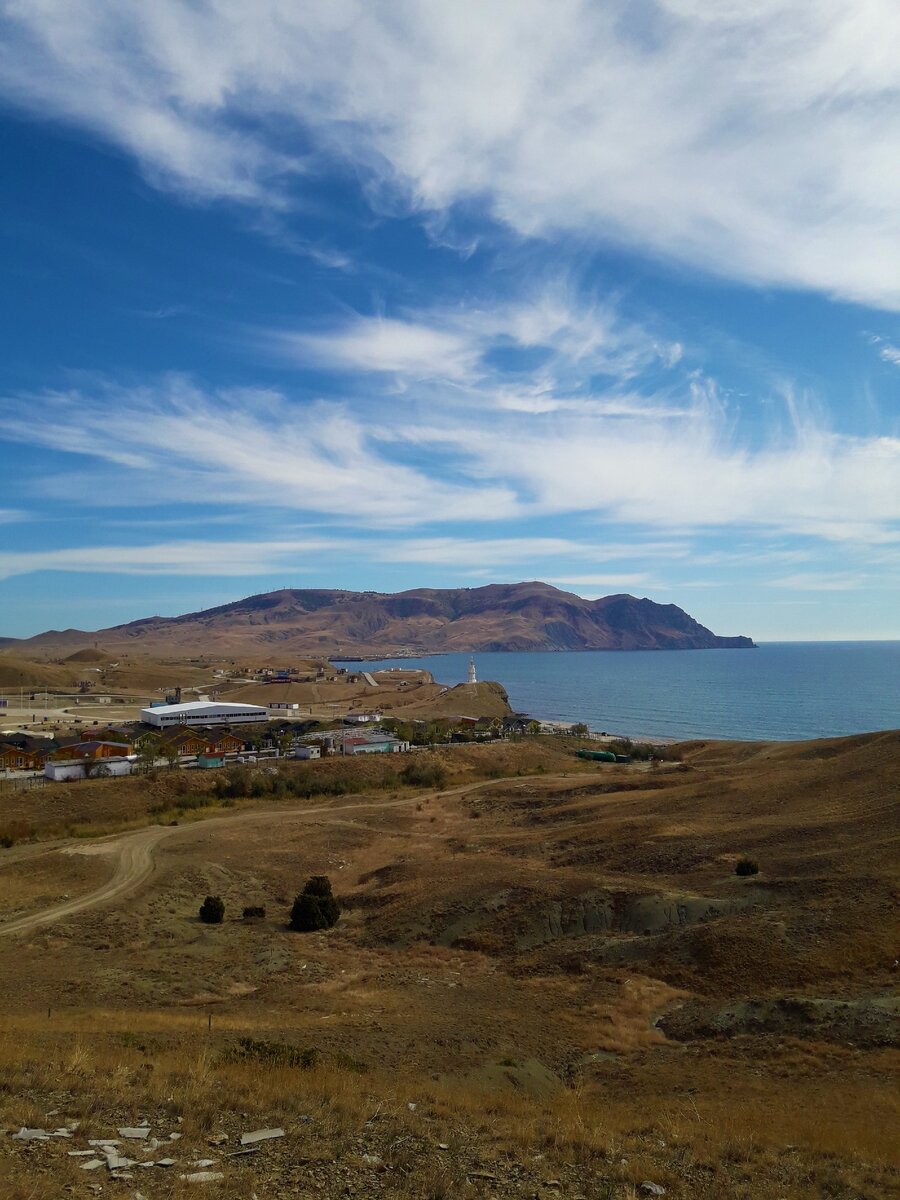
(463, 979)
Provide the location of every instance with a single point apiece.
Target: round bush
(316, 907)
(212, 910)
(746, 866)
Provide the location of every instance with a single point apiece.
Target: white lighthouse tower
(472, 678)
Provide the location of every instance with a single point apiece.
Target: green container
(597, 755)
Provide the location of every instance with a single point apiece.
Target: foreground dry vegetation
(550, 984)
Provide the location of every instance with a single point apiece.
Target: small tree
(316, 907)
(212, 910)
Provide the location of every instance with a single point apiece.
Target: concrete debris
(92, 1164)
(372, 1160)
(204, 1162)
(61, 1133)
(136, 1131)
(102, 1142)
(260, 1135)
(653, 1188)
(138, 1196)
(80, 1153)
(412, 1107)
(153, 1144)
(443, 1146)
(203, 1177)
(218, 1139)
(122, 1175)
(242, 1153)
(166, 1162)
(32, 1135)
(173, 1137)
(116, 1162)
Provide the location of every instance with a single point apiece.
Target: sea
(782, 691)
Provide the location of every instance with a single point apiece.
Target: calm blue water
(784, 690)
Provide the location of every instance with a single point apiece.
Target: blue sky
(329, 294)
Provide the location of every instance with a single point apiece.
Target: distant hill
(517, 616)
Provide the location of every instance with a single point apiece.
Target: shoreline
(612, 736)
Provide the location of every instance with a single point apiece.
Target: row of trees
(316, 907)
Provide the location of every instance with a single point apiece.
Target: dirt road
(133, 852)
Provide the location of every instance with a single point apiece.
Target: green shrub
(212, 910)
(316, 907)
(273, 1054)
(746, 866)
(424, 772)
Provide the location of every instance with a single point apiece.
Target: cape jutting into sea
(783, 690)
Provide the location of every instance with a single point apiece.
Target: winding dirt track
(134, 852)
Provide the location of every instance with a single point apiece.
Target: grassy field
(550, 983)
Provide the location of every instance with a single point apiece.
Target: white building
(307, 752)
(87, 768)
(201, 712)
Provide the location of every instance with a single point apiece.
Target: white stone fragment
(93, 1164)
(117, 1163)
(260, 1135)
(203, 1177)
(81, 1153)
(204, 1162)
(102, 1142)
(173, 1137)
(166, 1162)
(32, 1135)
(136, 1131)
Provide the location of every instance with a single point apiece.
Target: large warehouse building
(203, 712)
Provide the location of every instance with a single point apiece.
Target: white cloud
(539, 352)
(313, 555)
(812, 581)
(170, 558)
(382, 344)
(639, 579)
(174, 443)
(891, 354)
(756, 141)
(247, 446)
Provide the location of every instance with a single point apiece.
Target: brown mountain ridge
(517, 616)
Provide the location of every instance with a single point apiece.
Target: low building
(181, 741)
(207, 761)
(91, 750)
(201, 712)
(373, 745)
(223, 743)
(17, 758)
(307, 752)
(64, 770)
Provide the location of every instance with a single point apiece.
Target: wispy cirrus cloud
(539, 351)
(592, 123)
(309, 556)
(194, 558)
(419, 465)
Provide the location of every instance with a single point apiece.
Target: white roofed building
(203, 712)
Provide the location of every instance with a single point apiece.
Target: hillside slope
(520, 616)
